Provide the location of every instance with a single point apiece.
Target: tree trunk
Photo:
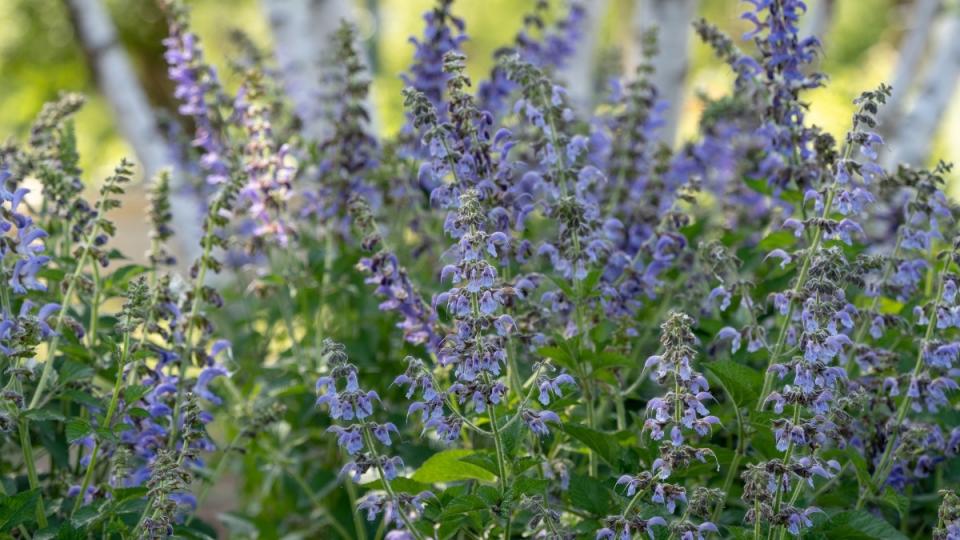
(302, 30)
(579, 74)
(909, 61)
(819, 18)
(911, 141)
(672, 18)
(119, 84)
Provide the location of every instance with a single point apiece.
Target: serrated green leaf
(18, 509)
(608, 359)
(527, 485)
(399, 484)
(742, 383)
(558, 355)
(77, 429)
(511, 436)
(856, 525)
(484, 460)
(464, 504)
(44, 414)
(138, 412)
(448, 466)
(84, 398)
(589, 494)
(859, 467)
(775, 240)
(70, 371)
(134, 392)
(604, 445)
(897, 501)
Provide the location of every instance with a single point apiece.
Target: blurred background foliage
(40, 56)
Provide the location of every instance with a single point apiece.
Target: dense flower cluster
(519, 254)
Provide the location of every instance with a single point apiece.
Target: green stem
(61, 317)
(880, 472)
(111, 409)
(371, 446)
(358, 525)
(633, 502)
(186, 350)
(94, 305)
(591, 423)
(24, 424)
(4, 291)
(32, 477)
(778, 497)
(498, 444)
(734, 464)
(756, 519)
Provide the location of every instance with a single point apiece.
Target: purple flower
(536, 420)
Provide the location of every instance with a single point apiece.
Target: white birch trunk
(302, 30)
(909, 62)
(133, 114)
(912, 140)
(579, 74)
(673, 19)
(119, 84)
(819, 19)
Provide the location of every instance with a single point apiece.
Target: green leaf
(856, 525)
(41, 415)
(740, 533)
(742, 383)
(604, 445)
(859, 467)
(18, 509)
(124, 494)
(899, 502)
(464, 504)
(138, 412)
(121, 276)
(134, 392)
(70, 371)
(84, 398)
(484, 460)
(448, 466)
(774, 240)
(399, 484)
(77, 429)
(527, 485)
(606, 359)
(510, 436)
(558, 355)
(590, 283)
(589, 494)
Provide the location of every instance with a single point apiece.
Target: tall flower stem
(371, 445)
(24, 424)
(880, 473)
(108, 417)
(778, 496)
(560, 171)
(358, 526)
(187, 347)
(32, 477)
(734, 463)
(801, 282)
(94, 304)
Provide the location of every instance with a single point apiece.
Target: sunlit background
(40, 56)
